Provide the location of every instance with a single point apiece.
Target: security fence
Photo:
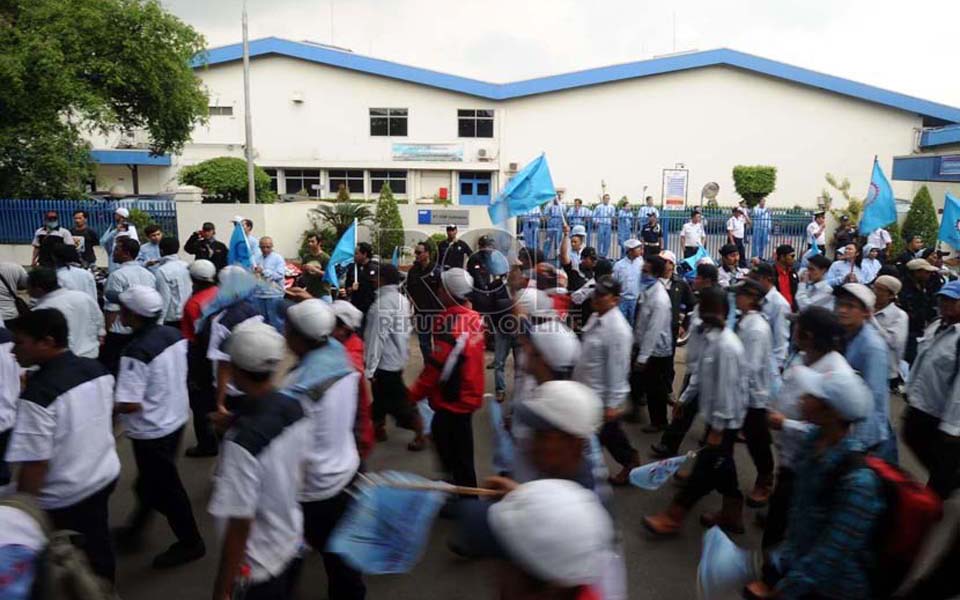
(19, 219)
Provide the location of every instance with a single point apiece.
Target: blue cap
(950, 290)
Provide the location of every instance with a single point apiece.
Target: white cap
(867, 248)
(861, 293)
(842, 390)
(556, 343)
(256, 347)
(457, 282)
(668, 255)
(921, 264)
(313, 318)
(203, 270)
(578, 230)
(536, 303)
(142, 300)
(348, 313)
(568, 406)
(236, 219)
(631, 244)
(555, 530)
(123, 212)
(890, 283)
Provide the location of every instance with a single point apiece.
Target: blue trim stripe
(920, 168)
(130, 157)
(494, 91)
(940, 136)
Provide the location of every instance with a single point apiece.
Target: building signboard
(950, 165)
(674, 193)
(428, 152)
(443, 216)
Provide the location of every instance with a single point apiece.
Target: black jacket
(421, 286)
(920, 304)
(365, 276)
(453, 255)
(682, 300)
(212, 250)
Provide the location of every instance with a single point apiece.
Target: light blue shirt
(75, 278)
(644, 211)
(107, 240)
(868, 355)
(870, 267)
(762, 221)
(254, 243)
(554, 213)
(628, 272)
(837, 275)
(174, 285)
(274, 268)
(149, 252)
(128, 274)
(578, 216)
(604, 214)
(625, 221)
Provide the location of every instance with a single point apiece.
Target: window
(475, 123)
(273, 178)
(221, 111)
(396, 179)
(301, 182)
(388, 122)
(352, 179)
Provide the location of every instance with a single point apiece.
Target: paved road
(656, 568)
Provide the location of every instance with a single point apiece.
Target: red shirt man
(787, 279)
(193, 309)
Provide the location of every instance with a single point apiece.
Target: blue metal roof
(130, 157)
(940, 136)
(922, 168)
(542, 85)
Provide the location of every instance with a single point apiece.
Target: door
(474, 188)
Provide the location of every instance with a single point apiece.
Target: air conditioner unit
(513, 168)
(482, 154)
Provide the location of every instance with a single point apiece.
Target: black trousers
(679, 426)
(113, 346)
(390, 398)
(202, 399)
(689, 251)
(937, 452)
(656, 378)
(941, 582)
(756, 430)
(174, 324)
(649, 251)
(738, 242)
(775, 528)
(714, 469)
(90, 519)
(280, 587)
(319, 520)
(5, 476)
(614, 439)
(453, 438)
(158, 487)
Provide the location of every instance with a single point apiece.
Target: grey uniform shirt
(654, 329)
(815, 294)
(934, 384)
(894, 327)
(776, 308)
(757, 340)
(604, 364)
(77, 279)
(128, 274)
(16, 277)
(83, 316)
(721, 381)
(387, 333)
(174, 285)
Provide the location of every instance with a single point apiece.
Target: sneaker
(179, 554)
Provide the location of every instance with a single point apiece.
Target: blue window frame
(474, 188)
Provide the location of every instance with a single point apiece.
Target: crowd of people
(290, 387)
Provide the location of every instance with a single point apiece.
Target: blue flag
(529, 188)
(653, 475)
(880, 207)
(395, 261)
(814, 247)
(239, 248)
(950, 225)
(342, 254)
(693, 260)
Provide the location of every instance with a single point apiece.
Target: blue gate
(19, 219)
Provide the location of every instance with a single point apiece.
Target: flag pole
(355, 269)
(247, 117)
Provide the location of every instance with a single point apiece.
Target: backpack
(58, 572)
(911, 511)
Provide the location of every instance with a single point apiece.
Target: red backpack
(912, 510)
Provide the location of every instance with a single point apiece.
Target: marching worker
(720, 384)
(653, 366)
(260, 474)
(349, 322)
(787, 279)
(845, 269)
(326, 384)
(203, 275)
(604, 367)
(128, 272)
(453, 377)
(892, 322)
(9, 396)
(173, 282)
(815, 290)
(84, 319)
(121, 228)
(149, 254)
(627, 272)
(730, 271)
(71, 275)
(63, 435)
(775, 309)
(152, 401)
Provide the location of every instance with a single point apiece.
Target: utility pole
(247, 118)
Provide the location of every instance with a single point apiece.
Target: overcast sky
(910, 47)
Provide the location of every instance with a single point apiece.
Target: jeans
(423, 323)
(552, 246)
(502, 345)
(760, 240)
(603, 240)
(273, 309)
(628, 306)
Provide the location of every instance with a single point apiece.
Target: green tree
(897, 245)
(343, 195)
(77, 66)
(141, 219)
(922, 218)
(224, 179)
(854, 205)
(340, 216)
(389, 224)
(754, 183)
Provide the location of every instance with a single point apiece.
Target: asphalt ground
(656, 568)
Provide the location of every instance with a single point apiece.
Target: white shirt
(736, 225)
(77, 279)
(84, 319)
(870, 268)
(387, 334)
(817, 232)
(174, 285)
(220, 328)
(61, 232)
(894, 326)
(9, 380)
(776, 308)
(153, 374)
(757, 339)
(604, 364)
(65, 417)
(815, 294)
(259, 473)
(879, 239)
(128, 274)
(692, 234)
